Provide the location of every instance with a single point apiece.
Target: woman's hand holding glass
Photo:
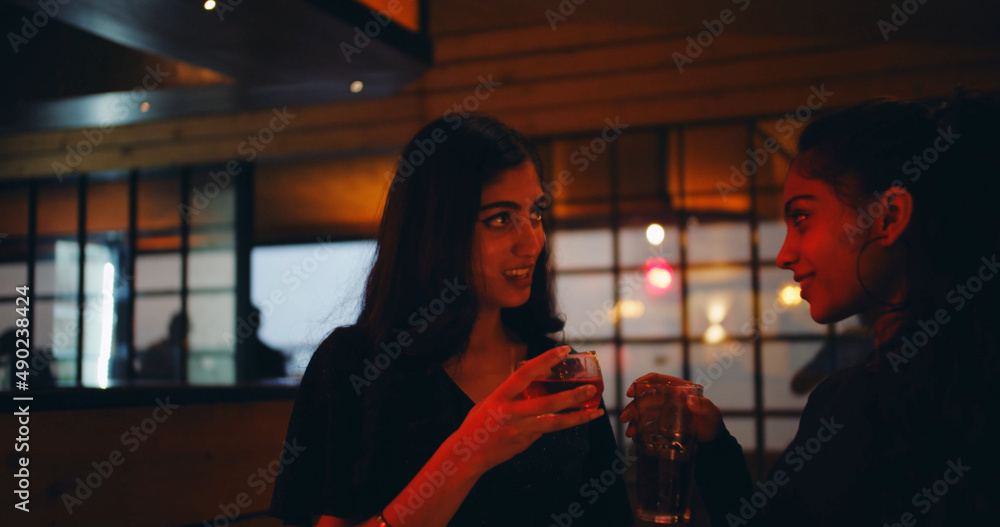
(706, 417)
(504, 424)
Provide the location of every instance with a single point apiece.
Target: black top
(361, 447)
(870, 450)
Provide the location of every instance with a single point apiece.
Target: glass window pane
(710, 155)
(107, 205)
(158, 202)
(726, 371)
(779, 432)
(639, 171)
(57, 208)
(782, 310)
(744, 429)
(298, 311)
(211, 269)
(158, 272)
(57, 268)
(586, 300)
(581, 249)
(772, 236)
(720, 299)
(55, 329)
(212, 199)
(771, 161)
(587, 160)
(13, 275)
(212, 336)
(634, 248)
(791, 371)
(640, 359)
(159, 334)
(718, 242)
(647, 314)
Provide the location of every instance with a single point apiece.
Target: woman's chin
(823, 314)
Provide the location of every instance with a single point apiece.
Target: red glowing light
(659, 276)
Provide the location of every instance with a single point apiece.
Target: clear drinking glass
(665, 445)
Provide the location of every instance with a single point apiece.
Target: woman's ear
(898, 204)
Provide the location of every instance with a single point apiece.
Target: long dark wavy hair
(425, 238)
(953, 232)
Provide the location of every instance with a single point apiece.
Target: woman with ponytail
(893, 212)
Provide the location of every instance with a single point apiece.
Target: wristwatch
(380, 521)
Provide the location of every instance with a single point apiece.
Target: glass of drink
(665, 445)
(575, 370)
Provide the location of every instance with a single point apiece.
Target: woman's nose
(530, 240)
(787, 256)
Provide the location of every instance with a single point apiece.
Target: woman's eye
(535, 214)
(498, 220)
(798, 218)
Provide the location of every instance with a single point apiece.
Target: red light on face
(659, 276)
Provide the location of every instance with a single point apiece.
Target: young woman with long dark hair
(891, 211)
(413, 416)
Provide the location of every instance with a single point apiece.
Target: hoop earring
(892, 307)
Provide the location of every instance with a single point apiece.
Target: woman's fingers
(554, 422)
(556, 402)
(533, 369)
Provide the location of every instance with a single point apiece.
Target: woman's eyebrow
(502, 205)
(788, 204)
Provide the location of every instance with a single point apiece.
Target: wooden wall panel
(553, 82)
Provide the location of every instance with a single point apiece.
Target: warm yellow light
(626, 309)
(655, 233)
(210, 5)
(631, 308)
(659, 278)
(716, 311)
(790, 295)
(357, 86)
(144, 107)
(715, 334)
